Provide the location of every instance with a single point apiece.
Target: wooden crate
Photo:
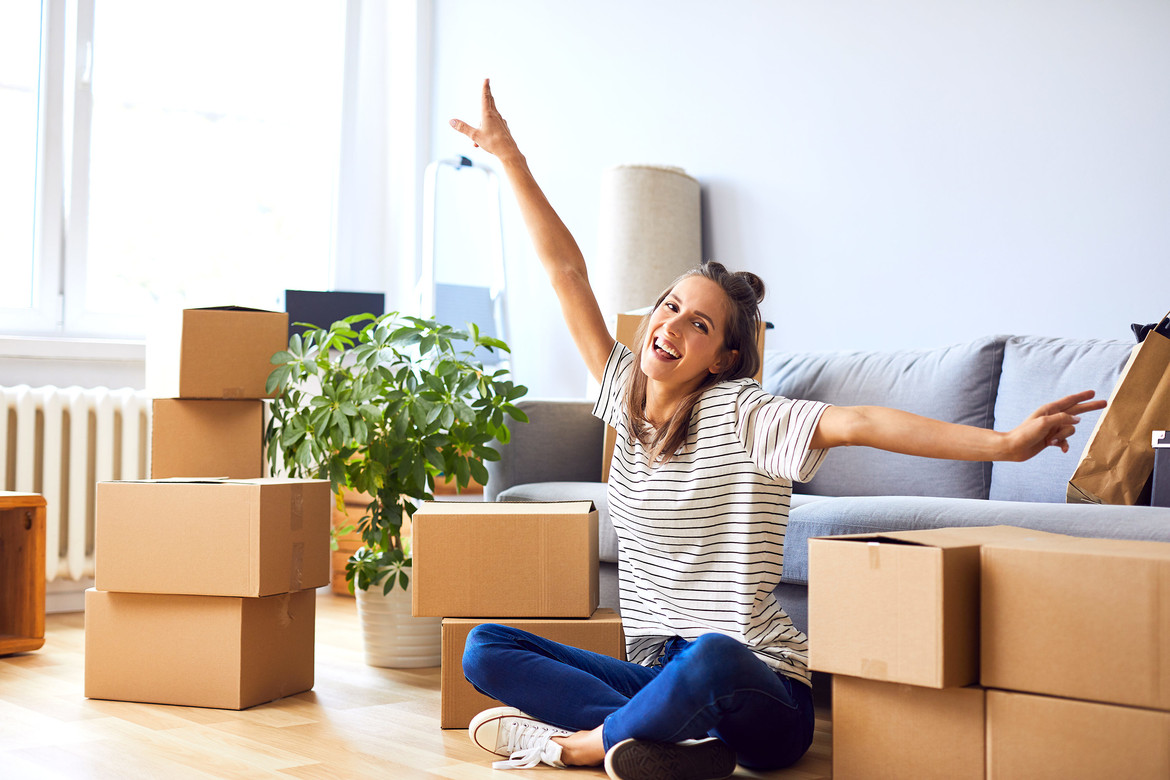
(22, 572)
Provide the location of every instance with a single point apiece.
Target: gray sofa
(993, 382)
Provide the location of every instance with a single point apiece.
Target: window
(19, 57)
(193, 162)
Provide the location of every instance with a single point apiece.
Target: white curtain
(384, 140)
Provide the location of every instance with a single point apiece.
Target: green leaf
(478, 472)
(515, 413)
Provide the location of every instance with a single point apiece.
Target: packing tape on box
(297, 508)
(296, 573)
(875, 555)
(284, 616)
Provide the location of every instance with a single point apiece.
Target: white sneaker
(526, 741)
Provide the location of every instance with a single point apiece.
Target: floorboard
(358, 721)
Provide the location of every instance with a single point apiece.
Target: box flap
(261, 481)
(1078, 545)
(232, 308)
(495, 508)
(946, 538)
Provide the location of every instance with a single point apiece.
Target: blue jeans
(712, 686)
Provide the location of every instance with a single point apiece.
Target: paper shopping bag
(1118, 460)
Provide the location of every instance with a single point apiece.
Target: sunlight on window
(19, 51)
(214, 151)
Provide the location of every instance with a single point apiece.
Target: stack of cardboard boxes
(993, 652)
(528, 565)
(205, 574)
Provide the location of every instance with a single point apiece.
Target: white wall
(902, 174)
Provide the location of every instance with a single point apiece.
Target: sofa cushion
(880, 514)
(572, 491)
(1037, 370)
(957, 384)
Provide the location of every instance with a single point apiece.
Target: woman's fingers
(466, 129)
(1077, 403)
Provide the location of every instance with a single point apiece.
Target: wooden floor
(359, 721)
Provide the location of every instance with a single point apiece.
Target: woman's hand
(1049, 426)
(492, 135)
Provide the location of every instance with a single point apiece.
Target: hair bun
(755, 282)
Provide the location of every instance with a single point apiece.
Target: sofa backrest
(1037, 370)
(956, 383)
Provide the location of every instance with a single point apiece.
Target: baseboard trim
(66, 595)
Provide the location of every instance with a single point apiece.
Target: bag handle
(1162, 329)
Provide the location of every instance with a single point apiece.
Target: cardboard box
(1160, 480)
(207, 439)
(1035, 737)
(890, 730)
(504, 559)
(251, 537)
(198, 651)
(626, 331)
(220, 352)
(601, 633)
(1078, 618)
(901, 606)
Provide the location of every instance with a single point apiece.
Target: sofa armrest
(561, 442)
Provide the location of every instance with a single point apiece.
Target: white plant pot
(393, 638)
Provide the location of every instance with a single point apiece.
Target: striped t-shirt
(701, 537)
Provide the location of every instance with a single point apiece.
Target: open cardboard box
(505, 559)
(900, 606)
(253, 537)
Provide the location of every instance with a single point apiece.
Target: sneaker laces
(529, 744)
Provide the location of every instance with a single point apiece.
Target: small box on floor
(1031, 737)
(254, 537)
(901, 606)
(1078, 618)
(198, 651)
(518, 559)
(218, 352)
(896, 731)
(200, 438)
(1160, 493)
(602, 633)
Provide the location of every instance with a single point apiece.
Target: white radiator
(60, 442)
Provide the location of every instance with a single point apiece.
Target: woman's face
(684, 340)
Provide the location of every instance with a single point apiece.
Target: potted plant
(384, 410)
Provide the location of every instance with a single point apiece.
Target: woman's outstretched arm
(889, 429)
(556, 247)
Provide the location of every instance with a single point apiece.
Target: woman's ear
(725, 359)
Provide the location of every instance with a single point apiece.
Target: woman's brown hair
(744, 291)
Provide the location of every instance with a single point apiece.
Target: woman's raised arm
(555, 245)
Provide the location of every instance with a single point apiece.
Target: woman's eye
(671, 306)
(702, 326)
